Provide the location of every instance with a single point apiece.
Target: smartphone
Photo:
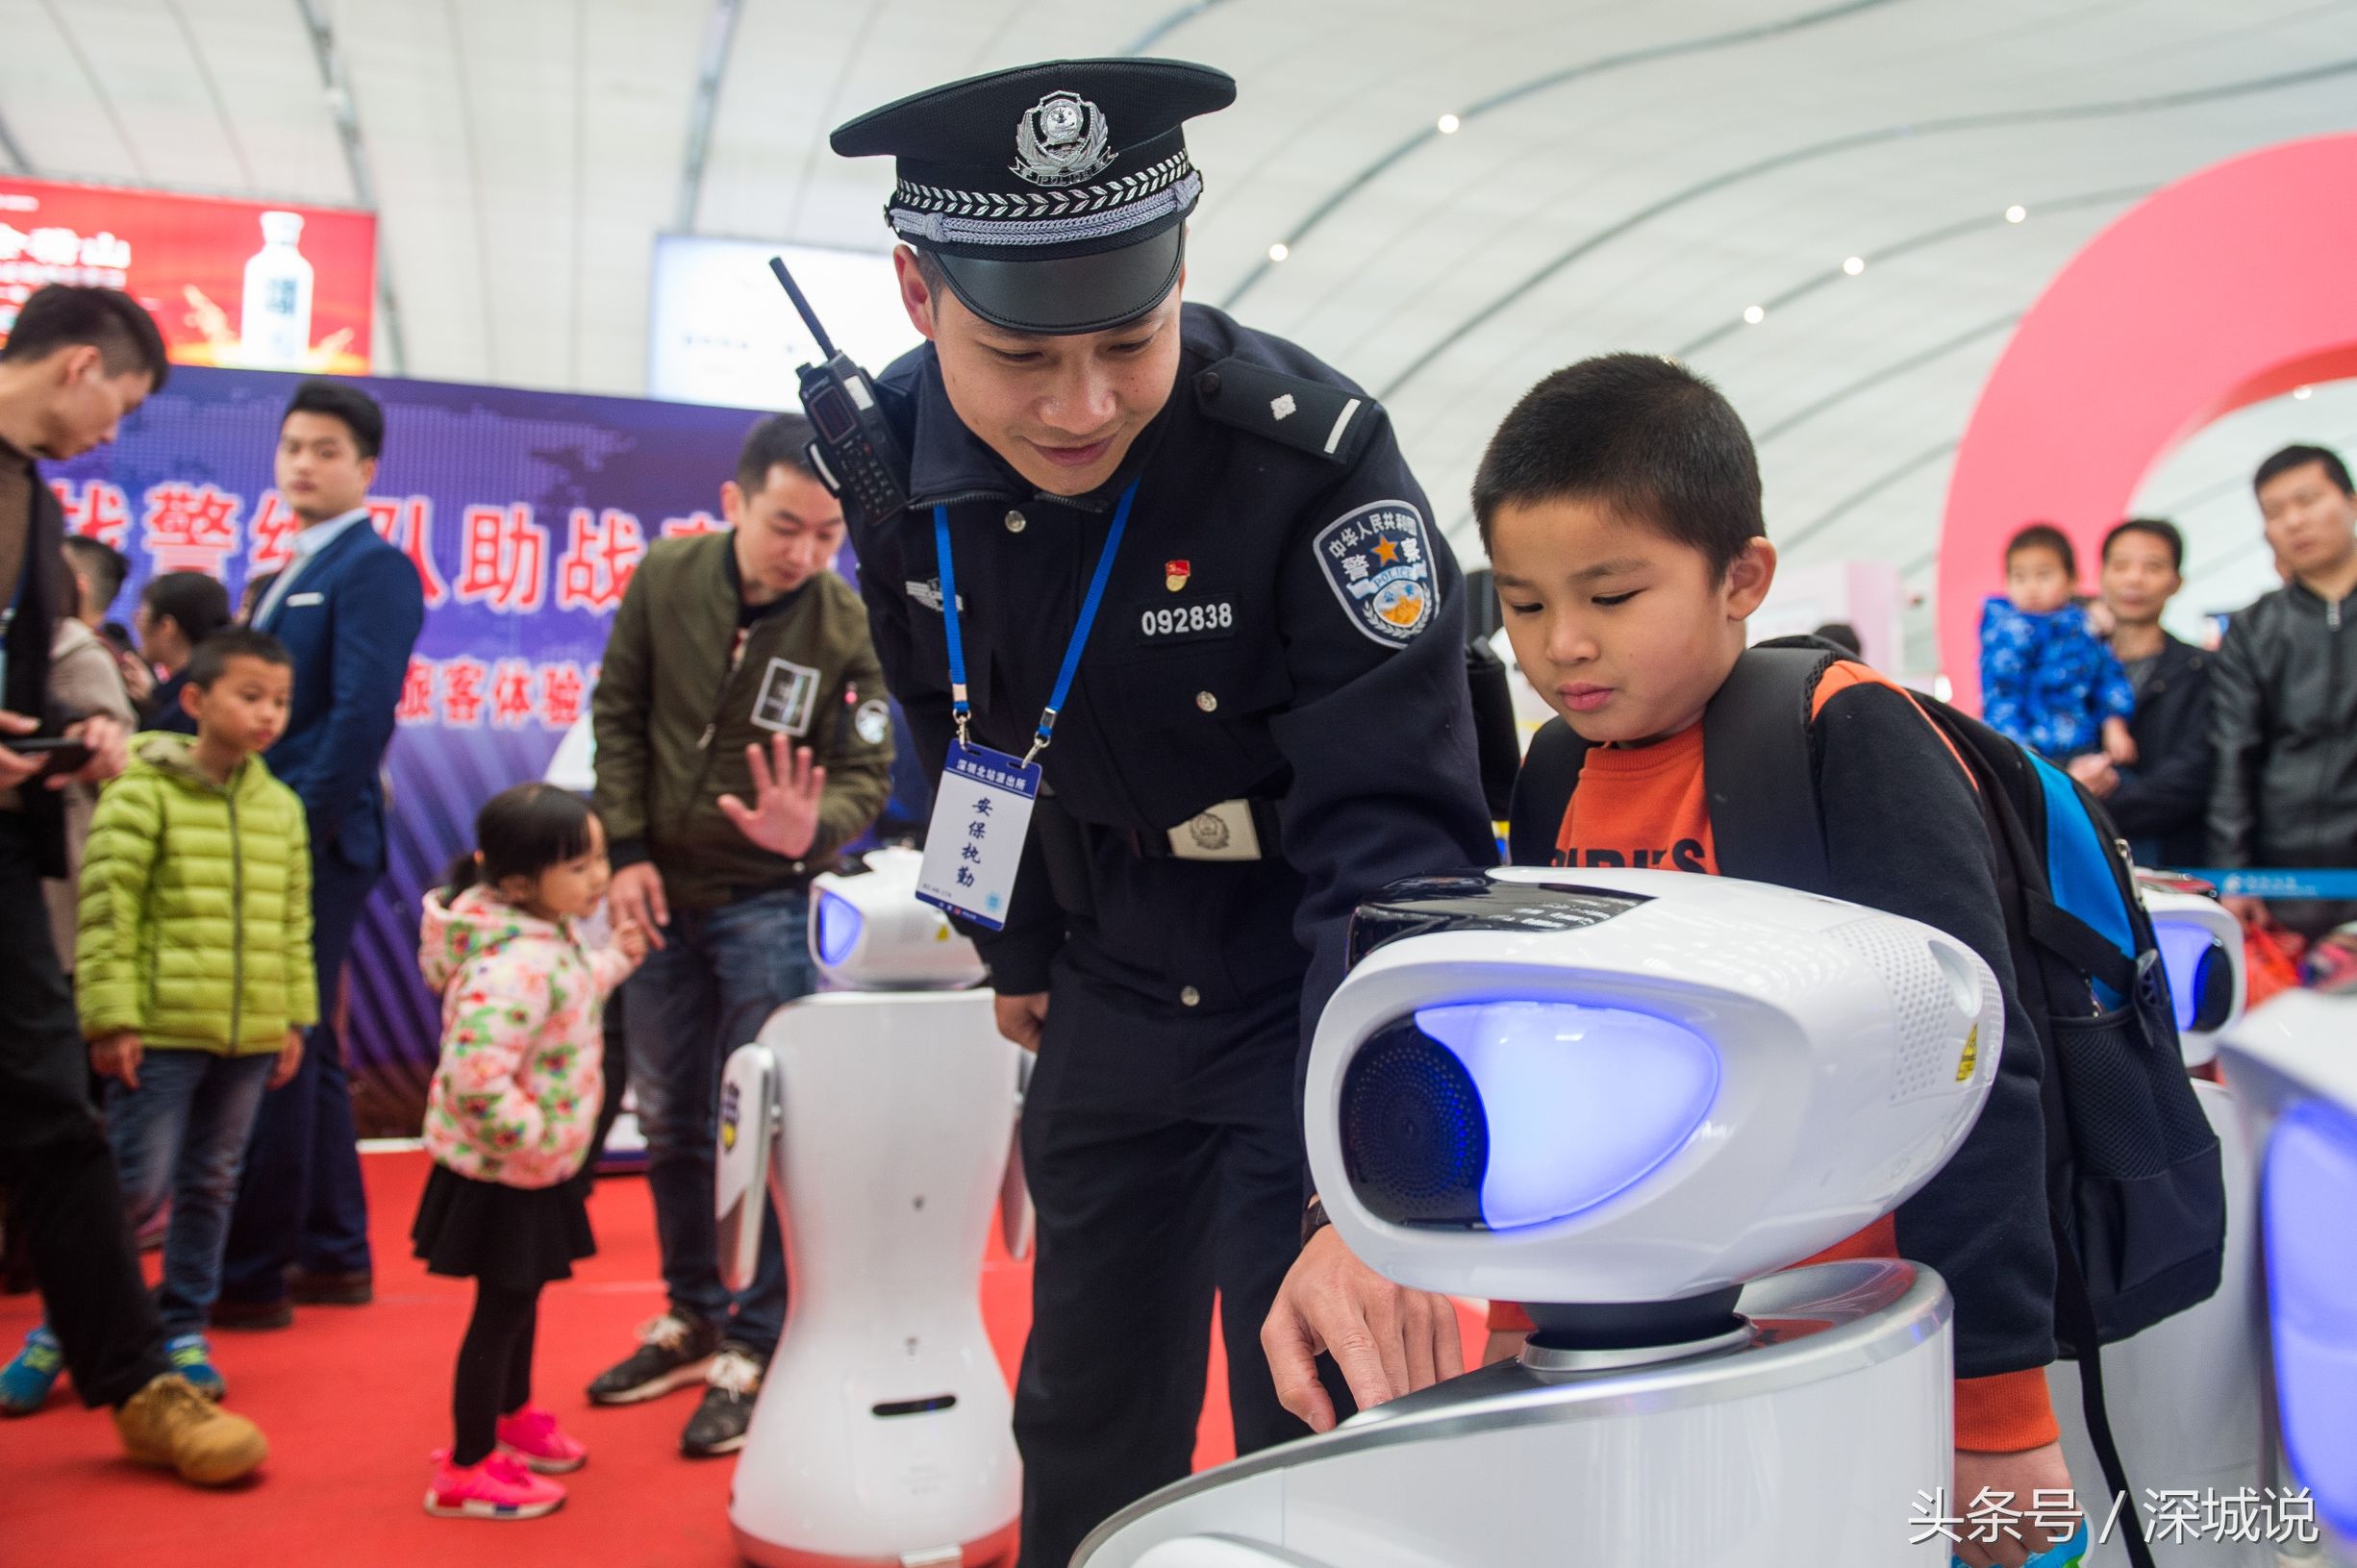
(62, 753)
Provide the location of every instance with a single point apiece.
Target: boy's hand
(2117, 743)
(631, 937)
(118, 1055)
(289, 1060)
(1389, 1340)
(2011, 1480)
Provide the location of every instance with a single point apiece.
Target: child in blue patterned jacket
(2047, 680)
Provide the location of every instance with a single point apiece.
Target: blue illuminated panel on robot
(2309, 1192)
(839, 928)
(1516, 1112)
(2200, 974)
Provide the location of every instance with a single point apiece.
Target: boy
(1620, 505)
(194, 977)
(177, 610)
(2046, 679)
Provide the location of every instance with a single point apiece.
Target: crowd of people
(2230, 756)
(1214, 812)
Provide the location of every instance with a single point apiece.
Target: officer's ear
(916, 290)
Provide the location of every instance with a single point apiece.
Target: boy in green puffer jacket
(192, 964)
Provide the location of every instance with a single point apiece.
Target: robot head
(870, 931)
(2201, 952)
(1626, 1086)
(2290, 1066)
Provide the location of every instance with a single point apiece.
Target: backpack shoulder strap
(1543, 793)
(1758, 771)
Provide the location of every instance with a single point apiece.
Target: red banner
(258, 285)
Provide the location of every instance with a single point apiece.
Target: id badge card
(981, 817)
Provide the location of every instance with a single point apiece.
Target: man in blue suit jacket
(349, 607)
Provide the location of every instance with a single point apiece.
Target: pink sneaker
(500, 1487)
(532, 1435)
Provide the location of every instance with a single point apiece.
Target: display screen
(256, 286)
(720, 330)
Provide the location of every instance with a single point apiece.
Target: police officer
(1270, 722)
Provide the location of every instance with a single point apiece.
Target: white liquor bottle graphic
(274, 325)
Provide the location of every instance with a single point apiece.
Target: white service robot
(881, 1123)
(2293, 1066)
(1636, 1095)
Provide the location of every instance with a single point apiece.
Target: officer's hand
(784, 816)
(1022, 1018)
(1388, 1340)
(2013, 1480)
(635, 897)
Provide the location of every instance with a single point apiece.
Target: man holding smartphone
(76, 363)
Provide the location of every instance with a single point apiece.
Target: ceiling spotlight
(1277, 251)
(2016, 214)
(2303, 392)
(1754, 314)
(1854, 265)
(1449, 124)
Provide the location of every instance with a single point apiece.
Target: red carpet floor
(354, 1398)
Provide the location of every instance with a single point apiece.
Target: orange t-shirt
(1644, 808)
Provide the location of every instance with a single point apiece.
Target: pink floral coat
(515, 1097)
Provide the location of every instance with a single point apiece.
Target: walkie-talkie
(856, 452)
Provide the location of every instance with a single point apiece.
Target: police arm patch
(1378, 561)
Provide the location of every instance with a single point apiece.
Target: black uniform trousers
(54, 1160)
(1165, 1160)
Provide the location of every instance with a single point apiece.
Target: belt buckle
(1225, 832)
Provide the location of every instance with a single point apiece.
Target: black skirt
(514, 1237)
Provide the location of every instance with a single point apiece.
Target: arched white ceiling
(1623, 176)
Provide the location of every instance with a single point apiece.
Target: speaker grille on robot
(1416, 1142)
(1919, 996)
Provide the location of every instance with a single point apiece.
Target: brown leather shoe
(356, 1287)
(237, 1314)
(168, 1423)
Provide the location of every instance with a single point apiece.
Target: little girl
(508, 1123)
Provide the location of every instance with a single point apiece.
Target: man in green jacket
(729, 649)
(192, 969)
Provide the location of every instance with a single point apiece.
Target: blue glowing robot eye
(2308, 1192)
(2200, 974)
(1516, 1112)
(839, 928)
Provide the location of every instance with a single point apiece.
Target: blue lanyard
(959, 709)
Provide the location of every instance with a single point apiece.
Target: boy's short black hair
(68, 316)
(340, 400)
(2045, 537)
(779, 439)
(2300, 456)
(101, 563)
(1639, 433)
(211, 659)
(197, 601)
(2161, 529)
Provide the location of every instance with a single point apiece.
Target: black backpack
(2134, 1187)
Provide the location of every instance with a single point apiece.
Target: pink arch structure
(2233, 285)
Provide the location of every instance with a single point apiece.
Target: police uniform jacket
(1242, 651)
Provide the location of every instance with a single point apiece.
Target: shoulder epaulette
(1310, 416)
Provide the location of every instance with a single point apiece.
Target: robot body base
(881, 1432)
(1808, 1445)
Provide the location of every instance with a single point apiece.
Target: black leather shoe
(356, 1287)
(237, 1314)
